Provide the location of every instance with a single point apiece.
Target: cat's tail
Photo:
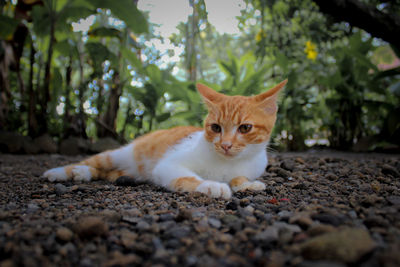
(100, 166)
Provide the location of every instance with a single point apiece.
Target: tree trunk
(67, 107)
(127, 113)
(100, 104)
(191, 34)
(32, 113)
(81, 115)
(110, 117)
(5, 93)
(45, 92)
(367, 17)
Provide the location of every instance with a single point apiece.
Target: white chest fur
(194, 153)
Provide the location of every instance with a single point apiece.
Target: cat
(227, 155)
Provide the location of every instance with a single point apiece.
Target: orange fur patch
(152, 146)
(237, 181)
(68, 170)
(94, 172)
(112, 176)
(100, 161)
(185, 184)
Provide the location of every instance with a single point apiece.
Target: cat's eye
(245, 128)
(215, 128)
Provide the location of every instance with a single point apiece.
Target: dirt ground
(319, 209)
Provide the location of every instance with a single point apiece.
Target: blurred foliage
(111, 80)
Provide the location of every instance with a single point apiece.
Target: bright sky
(221, 14)
(169, 13)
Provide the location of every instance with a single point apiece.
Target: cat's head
(234, 124)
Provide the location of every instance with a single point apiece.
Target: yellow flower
(310, 45)
(260, 35)
(312, 55)
(311, 50)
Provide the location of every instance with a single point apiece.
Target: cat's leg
(241, 183)
(75, 172)
(193, 184)
(113, 175)
(93, 168)
(177, 178)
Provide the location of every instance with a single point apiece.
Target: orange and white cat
(227, 155)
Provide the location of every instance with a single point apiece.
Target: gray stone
(110, 215)
(178, 232)
(32, 207)
(60, 189)
(269, 235)
(284, 227)
(320, 264)
(285, 215)
(64, 234)
(29, 147)
(104, 144)
(91, 226)
(280, 172)
(347, 245)
(11, 142)
(394, 200)
(328, 218)
(167, 217)
(74, 146)
(214, 222)
(46, 144)
(390, 170)
(142, 225)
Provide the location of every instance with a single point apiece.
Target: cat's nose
(226, 146)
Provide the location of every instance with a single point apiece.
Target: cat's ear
(210, 97)
(209, 94)
(267, 100)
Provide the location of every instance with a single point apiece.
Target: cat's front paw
(241, 183)
(252, 186)
(56, 174)
(215, 189)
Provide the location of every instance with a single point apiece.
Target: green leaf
(282, 61)
(154, 74)
(132, 58)
(8, 26)
(395, 88)
(99, 53)
(396, 50)
(73, 13)
(228, 69)
(363, 60)
(105, 32)
(147, 96)
(56, 88)
(125, 10)
(393, 121)
(163, 117)
(387, 73)
(66, 48)
(41, 21)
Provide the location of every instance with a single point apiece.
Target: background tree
(112, 80)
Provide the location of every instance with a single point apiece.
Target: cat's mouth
(227, 154)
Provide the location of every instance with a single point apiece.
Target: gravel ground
(321, 209)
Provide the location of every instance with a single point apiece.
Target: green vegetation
(344, 82)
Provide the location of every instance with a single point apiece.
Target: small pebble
(64, 234)
(91, 226)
